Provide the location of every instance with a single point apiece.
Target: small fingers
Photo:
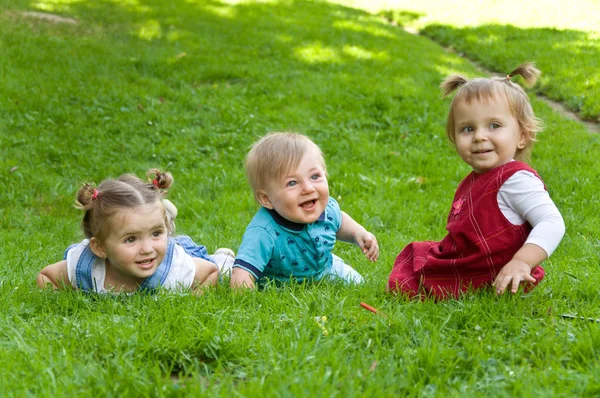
(372, 254)
(375, 255)
(368, 246)
(517, 281)
(500, 286)
(515, 285)
(501, 282)
(373, 249)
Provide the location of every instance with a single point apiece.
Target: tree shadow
(401, 17)
(234, 71)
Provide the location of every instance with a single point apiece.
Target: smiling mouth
(145, 264)
(482, 152)
(308, 204)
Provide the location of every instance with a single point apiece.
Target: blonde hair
(126, 192)
(275, 154)
(484, 89)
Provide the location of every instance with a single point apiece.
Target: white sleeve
(523, 198)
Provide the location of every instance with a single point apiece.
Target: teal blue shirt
(275, 248)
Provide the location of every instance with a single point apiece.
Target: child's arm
(519, 268)
(207, 274)
(54, 275)
(241, 278)
(353, 232)
(524, 194)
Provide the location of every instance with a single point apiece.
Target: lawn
(187, 86)
(562, 36)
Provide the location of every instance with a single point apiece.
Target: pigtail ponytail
(452, 83)
(528, 71)
(84, 200)
(162, 180)
(86, 196)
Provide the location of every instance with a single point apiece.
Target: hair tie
(155, 182)
(95, 194)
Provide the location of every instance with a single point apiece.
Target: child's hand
(240, 278)
(515, 271)
(368, 244)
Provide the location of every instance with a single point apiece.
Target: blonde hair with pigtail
(125, 192)
(485, 89)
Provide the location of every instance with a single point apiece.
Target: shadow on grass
(401, 17)
(317, 55)
(172, 82)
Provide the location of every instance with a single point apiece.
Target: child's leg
(224, 259)
(341, 270)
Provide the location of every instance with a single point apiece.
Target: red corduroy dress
(479, 243)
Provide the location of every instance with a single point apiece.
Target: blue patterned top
(275, 248)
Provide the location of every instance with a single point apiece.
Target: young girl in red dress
(502, 224)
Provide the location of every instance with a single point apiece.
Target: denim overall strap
(158, 278)
(83, 271)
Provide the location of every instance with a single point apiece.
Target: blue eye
(315, 177)
(467, 129)
(292, 184)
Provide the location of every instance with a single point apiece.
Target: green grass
(188, 86)
(561, 36)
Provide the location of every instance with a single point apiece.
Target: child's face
(136, 242)
(301, 195)
(487, 135)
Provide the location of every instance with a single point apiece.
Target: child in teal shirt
(292, 235)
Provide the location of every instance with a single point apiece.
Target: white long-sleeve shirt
(522, 198)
